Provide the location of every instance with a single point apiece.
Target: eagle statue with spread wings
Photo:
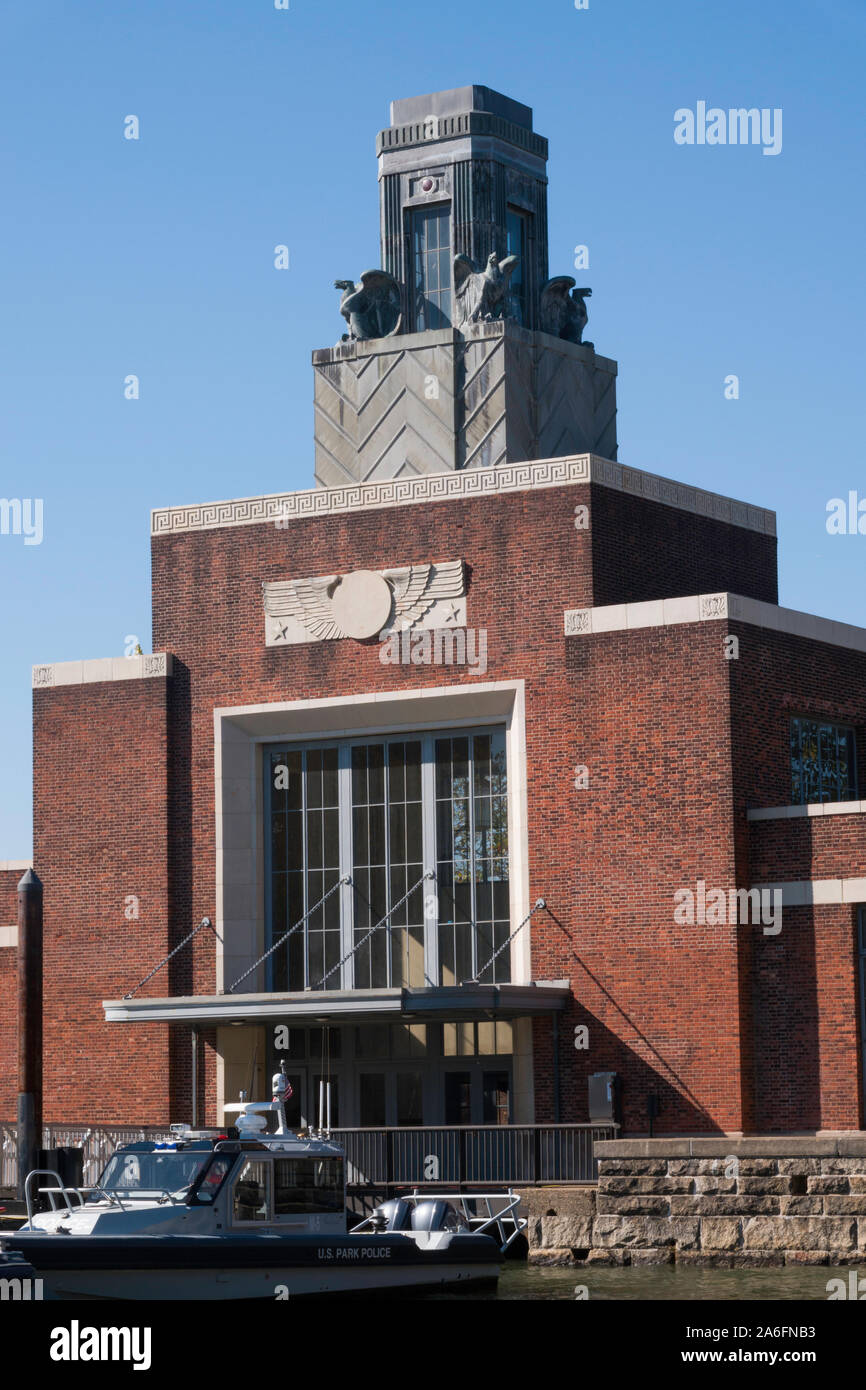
(480, 295)
(361, 604)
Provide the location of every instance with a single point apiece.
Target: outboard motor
(437, 1215)
(395, 1215)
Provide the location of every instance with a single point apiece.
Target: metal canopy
(433, 1005)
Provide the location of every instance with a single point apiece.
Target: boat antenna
(325, 1083)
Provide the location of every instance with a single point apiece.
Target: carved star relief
(362, 603)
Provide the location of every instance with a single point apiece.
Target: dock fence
(511, 1155)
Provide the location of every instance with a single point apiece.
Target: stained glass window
(823, 762)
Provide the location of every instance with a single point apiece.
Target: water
(668, 1282)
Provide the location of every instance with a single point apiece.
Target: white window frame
(239, 732)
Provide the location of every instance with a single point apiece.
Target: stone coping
(816, 892)
(850, 1144)
(287, 507)
(703, 608)
(108, 668)
(812, 808)
(359, 349)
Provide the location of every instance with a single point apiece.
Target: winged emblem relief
(364, 603)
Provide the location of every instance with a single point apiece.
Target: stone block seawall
(715, 1202)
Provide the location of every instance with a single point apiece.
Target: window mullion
(473, 916)
(347, 892)
(270, 932)
(386, 782)
(428, 854)
(306, 869)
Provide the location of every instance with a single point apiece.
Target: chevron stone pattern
(386, 414)
(433, 402)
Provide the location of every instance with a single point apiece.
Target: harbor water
(664, 1282)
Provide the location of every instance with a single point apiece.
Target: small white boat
(254, 1212)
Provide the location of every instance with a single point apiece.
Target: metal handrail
(493, 1218)
(109, 1193)
(61, 1188)
(486, 1156)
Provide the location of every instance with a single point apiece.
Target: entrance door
(494, 1098)
(476, 1096)
(458, 1098)
(372, 1100)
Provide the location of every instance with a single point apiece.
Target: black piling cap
(30, 881)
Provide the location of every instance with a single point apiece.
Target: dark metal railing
(98, 1143)
(506, 1154)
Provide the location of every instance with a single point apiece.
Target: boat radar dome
(251, 1122)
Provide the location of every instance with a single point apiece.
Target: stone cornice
(702, 608)
(458, 126)
(109, 668)
(811, 808)
(287, 507)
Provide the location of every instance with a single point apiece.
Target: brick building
(481, 666)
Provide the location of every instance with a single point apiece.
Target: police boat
(255, 1211)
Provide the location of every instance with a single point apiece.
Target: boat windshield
(156, 1171)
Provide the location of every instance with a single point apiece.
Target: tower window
(431, 267)
(823, 762)
(517, 229)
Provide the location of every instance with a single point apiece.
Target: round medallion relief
(362, 603)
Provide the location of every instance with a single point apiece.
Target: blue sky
(155, 257)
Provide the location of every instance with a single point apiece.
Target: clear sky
(257, 127)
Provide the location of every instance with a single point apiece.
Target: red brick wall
(8, 998)
(8, 1035)
(806, 1046)
(805, 1066)
(527, 564)
(100, 813)
(646, 550)
(649, 717)
(808, 847)
(672, 1008)
(9, 880)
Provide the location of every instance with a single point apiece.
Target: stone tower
(462, 354)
